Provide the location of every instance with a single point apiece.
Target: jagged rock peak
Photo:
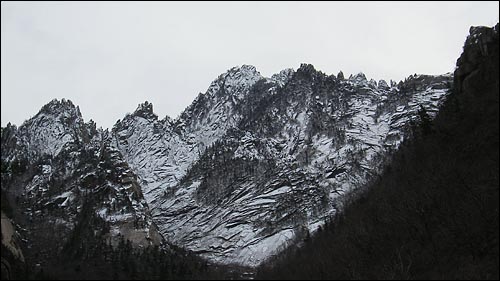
(480, 45)
(481, 34)
(283, 76)
(244, 68)
(244, 72)
(145, 107)
(56, 127)
(340, 76)
(308, 72)
(145, 110)
(478, 42)
(306, 68)
(382, 84)
(238, 72)
(358, 77)
(56, 107)
(10, 126)
(235, 81)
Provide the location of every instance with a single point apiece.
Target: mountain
(433, 212)
(256, 162)
(249, 166)
(252, 166)
(63, 178)
(67, 159)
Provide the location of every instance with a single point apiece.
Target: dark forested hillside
(433, 213)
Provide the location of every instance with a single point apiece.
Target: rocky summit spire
(360, 77)
(479, 46)
(145, 110)
(306, 68)
(382, 84)
(63, 107)
(340, 76)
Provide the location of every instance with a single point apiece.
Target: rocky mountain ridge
(256, 162)
(253, 164)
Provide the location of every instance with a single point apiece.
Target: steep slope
(433, 213)
(161, 151)
(58, 126)
(55, 170)
(252, 165)
(255, 163)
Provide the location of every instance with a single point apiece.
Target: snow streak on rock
(256, 163)
(54, 162)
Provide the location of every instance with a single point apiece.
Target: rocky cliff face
(13, 260)
(433, 213)
(253, 164)
(62, 175)
(479, 46)
(256, 163)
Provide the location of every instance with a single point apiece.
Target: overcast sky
(108, 57)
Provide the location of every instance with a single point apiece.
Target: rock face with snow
(253, 164)
(256, 163)
(57, 168)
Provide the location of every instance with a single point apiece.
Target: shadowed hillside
(433, 214)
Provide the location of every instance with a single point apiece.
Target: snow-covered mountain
(256, 163)
(162, 150)
(253, 164)
(57, 168)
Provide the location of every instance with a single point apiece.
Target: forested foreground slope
(433, 213)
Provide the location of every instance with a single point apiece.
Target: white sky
(107, 57)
